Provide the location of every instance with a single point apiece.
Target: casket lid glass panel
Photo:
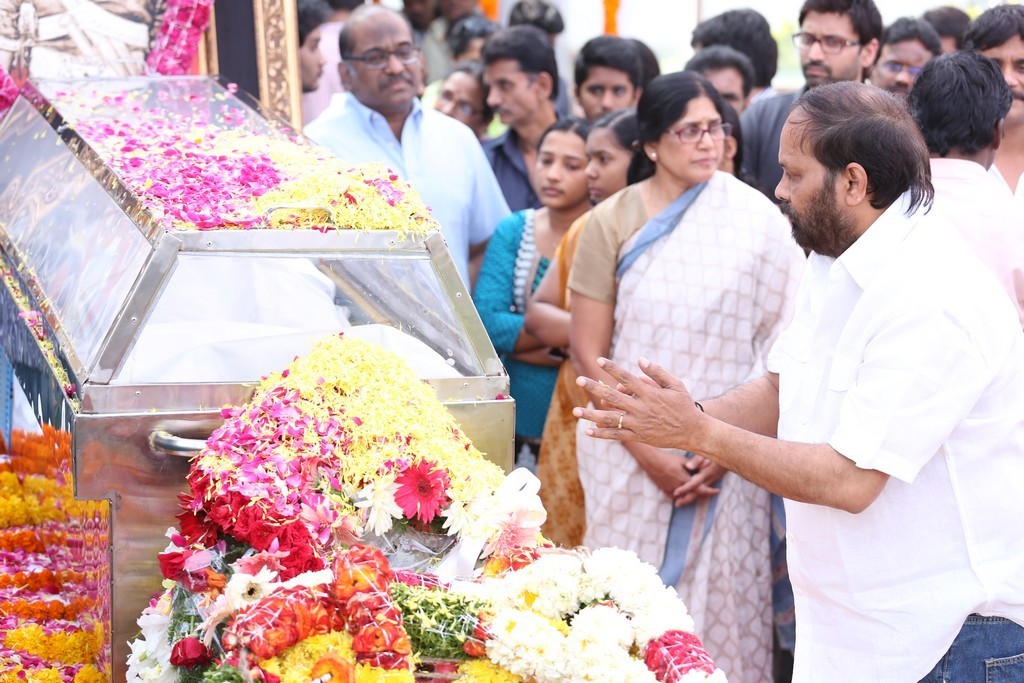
(174, 233)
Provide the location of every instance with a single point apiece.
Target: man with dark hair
(381, 120)
(649, 60)
(609, 74)
(837, 41)
(959, 102)
(421, 14)
(728, 70)
(998, 33)
(521, 72)
(746, 31)
(951, 24)
(311, 15)
(907, 45)
(891, 416)
(315, 101)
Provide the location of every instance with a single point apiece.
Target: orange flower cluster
(22, 539)
(38, 580)
(34, 610)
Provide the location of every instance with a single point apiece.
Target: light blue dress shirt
(439, 156)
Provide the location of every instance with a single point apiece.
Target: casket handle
(164, 442)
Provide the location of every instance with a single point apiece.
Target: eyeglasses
(378, 58)
(461, 106)
(692, 134)
(830, 45)
(896, 67)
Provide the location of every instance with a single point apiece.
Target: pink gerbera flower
(421, 491)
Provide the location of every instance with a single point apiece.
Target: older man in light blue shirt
(380, 119)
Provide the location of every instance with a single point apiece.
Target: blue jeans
(987, 650)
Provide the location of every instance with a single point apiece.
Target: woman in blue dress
(516, 259)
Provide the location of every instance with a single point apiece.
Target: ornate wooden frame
(275, 28)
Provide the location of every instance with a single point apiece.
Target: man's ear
(345, 75)
(998, 133)
(546, 83)
(853, 185)
(868, 55)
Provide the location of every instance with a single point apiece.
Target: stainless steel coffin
(145, 334)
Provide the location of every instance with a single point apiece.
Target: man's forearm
(753, 406)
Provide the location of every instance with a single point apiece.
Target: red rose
(190, 652)
(172, 565)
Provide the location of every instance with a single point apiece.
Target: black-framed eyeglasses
(831, 45)
(691, 134)
(895, 68)
(377, 58)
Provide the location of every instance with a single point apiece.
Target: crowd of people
(719, 230)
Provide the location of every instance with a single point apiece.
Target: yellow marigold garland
(78, 647)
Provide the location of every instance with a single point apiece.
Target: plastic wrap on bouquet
(412, 549)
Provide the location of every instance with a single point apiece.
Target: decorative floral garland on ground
(191, 172)
(47, 628)
(8, 92)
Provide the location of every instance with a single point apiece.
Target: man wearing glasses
(907, 45)
(381, 120)
(837, 41)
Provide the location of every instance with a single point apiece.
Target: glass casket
(127, 334)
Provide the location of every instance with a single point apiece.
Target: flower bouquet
(274, 574)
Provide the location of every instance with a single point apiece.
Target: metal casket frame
(76, 246)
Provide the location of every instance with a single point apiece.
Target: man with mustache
(837, 41)
(890, 417)
(998, 33)
(381, 120)
(907, 45)
(522, 74)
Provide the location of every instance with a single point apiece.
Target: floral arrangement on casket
(217, 170)
(270, 578)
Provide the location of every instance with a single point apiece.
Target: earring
(654, 156)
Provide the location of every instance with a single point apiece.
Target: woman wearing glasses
(693, 269)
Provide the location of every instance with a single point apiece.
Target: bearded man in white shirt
(891, 417)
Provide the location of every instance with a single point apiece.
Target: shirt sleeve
(918, 378)
(493, 292)
(593, 272)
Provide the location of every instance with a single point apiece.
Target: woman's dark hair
(957, 101)
(622, 124)
(466, 29)
(570, 124)
(864, 15)
(853, 123)
(747, 31)
(995, 26)
(663, 102)
(730, 116)
(527, 46)
(476, 70)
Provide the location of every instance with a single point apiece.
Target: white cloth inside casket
(231, 319)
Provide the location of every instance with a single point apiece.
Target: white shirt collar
(960, 169)
(369, 115)
(868, 255)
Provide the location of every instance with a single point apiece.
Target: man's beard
(823, 228)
